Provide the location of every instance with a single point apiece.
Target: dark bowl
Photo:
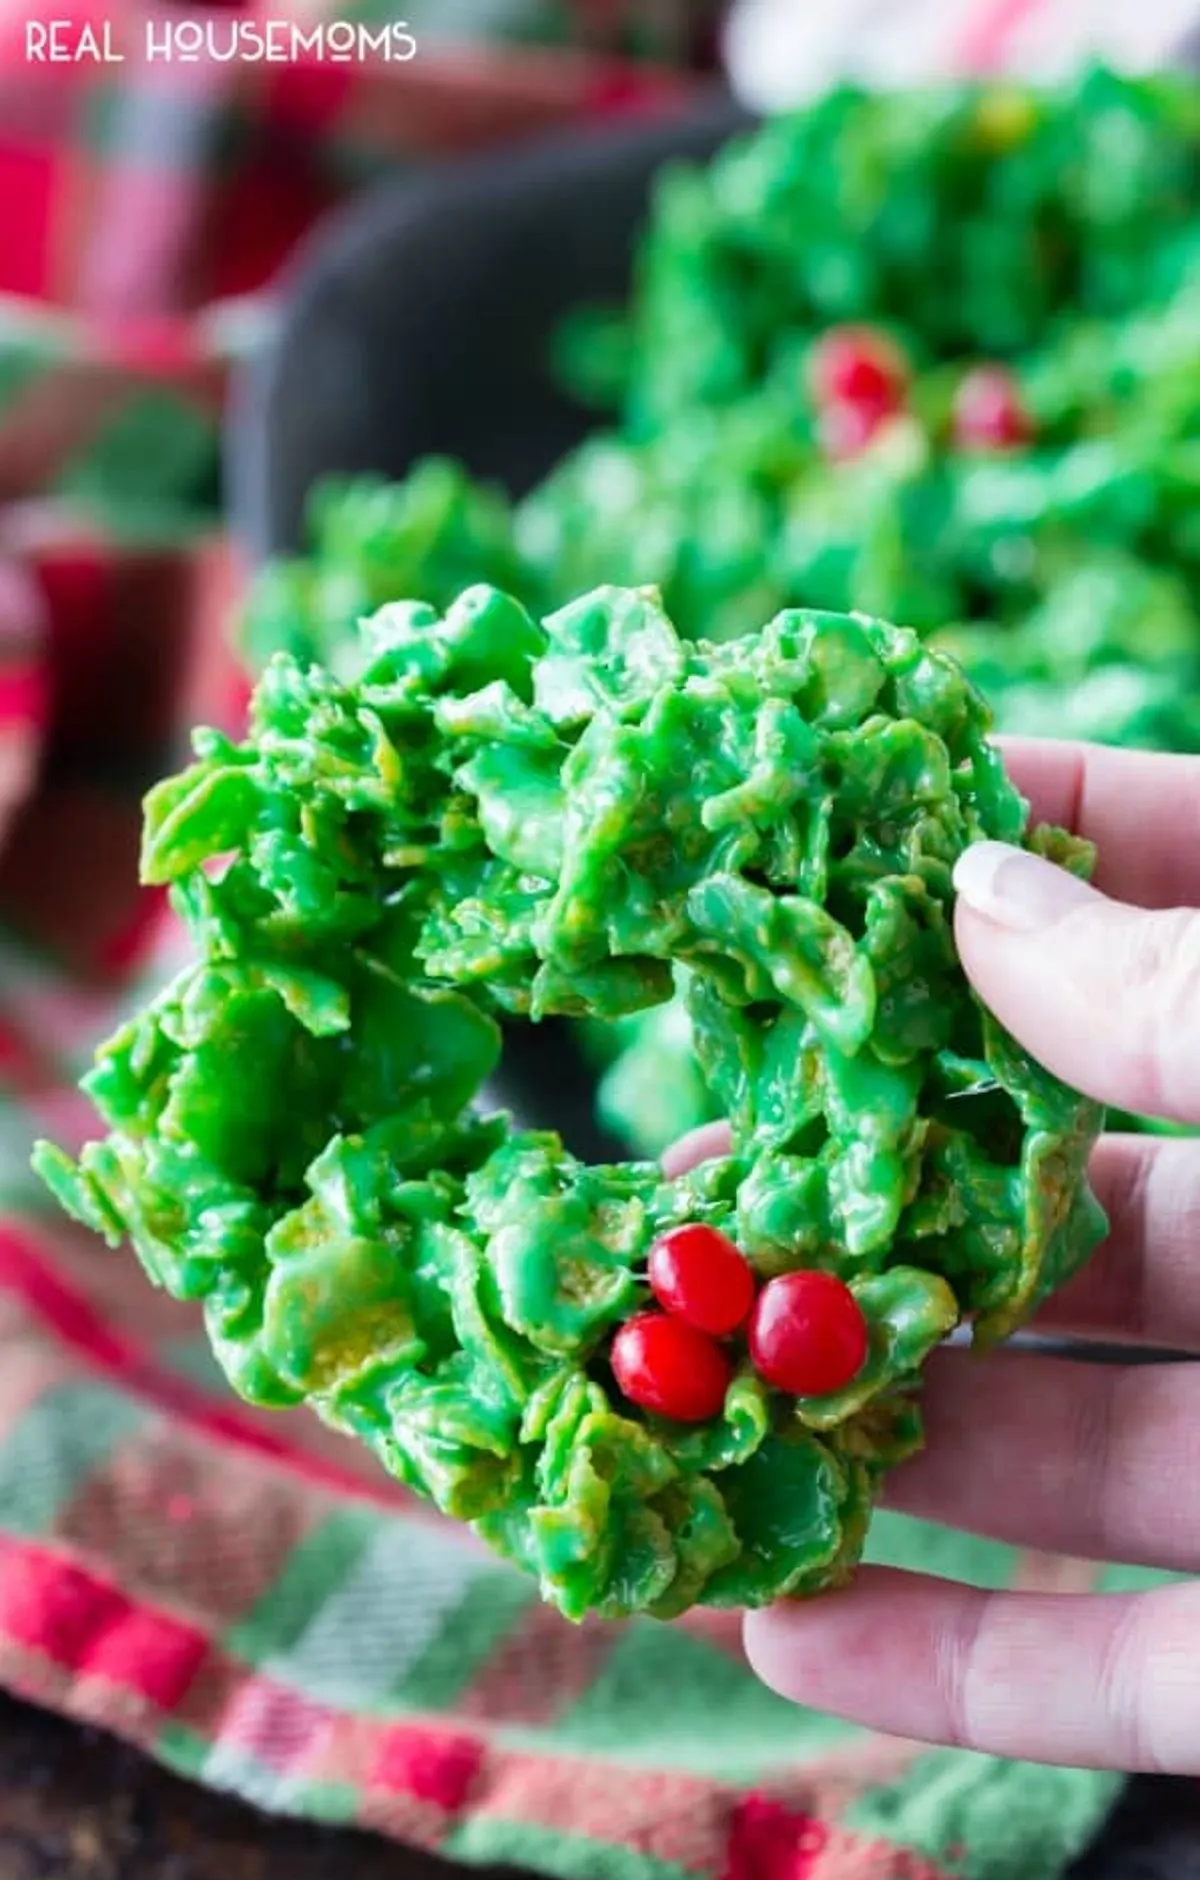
(418, 321)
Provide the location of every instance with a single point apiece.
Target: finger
(1116, 799)
(1108, 1681)
(699, 1145)
(1104, 995)
(1095, 1461)
(1143, 1284)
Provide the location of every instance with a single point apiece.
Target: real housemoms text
(219, 41)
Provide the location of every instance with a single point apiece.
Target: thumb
(1105, 996)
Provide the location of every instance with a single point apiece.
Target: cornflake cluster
(489, 818)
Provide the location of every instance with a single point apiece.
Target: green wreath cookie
(647, 1392)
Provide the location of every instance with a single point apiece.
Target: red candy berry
(668, 1367)
(855, 365)
(858, 380)
(807, 1334)
(701, 1278)
(988, 413)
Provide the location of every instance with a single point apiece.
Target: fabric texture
(240, 1594)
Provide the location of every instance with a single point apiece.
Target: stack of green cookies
(934, 356)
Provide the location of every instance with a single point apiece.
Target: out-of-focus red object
(137, 181)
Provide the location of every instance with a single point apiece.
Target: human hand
(1102, 985)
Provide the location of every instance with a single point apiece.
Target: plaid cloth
(243, 1595)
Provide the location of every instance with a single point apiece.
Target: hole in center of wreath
(547, 1080)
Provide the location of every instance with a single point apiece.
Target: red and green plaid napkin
(241, 1595)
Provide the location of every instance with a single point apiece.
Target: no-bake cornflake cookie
(649, 1393)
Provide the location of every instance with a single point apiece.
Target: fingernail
(1015, 889)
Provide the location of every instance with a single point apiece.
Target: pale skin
(1102, 985)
